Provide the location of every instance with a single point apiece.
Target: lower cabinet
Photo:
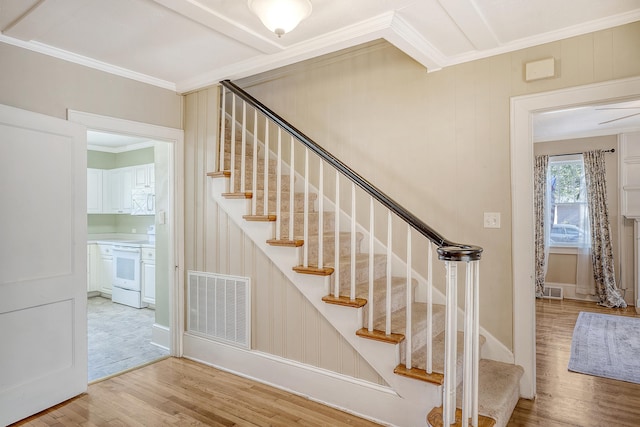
(105, 268)
(93, 263)
(149, 275)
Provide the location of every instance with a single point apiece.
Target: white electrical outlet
(492, 220)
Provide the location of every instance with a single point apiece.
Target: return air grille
(552, 292)
(219, 307)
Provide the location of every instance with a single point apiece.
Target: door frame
(176, 200)
(522, 110)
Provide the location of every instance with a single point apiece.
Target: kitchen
(121, 252)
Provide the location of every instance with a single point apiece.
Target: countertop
(115, 238)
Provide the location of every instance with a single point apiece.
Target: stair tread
(499, 384)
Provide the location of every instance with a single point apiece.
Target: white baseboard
(368, 400)
(160, 336)
(569, 291)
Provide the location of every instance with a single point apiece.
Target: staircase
(353, 268)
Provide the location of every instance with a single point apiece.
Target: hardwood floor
(567, 398)
(181, 392)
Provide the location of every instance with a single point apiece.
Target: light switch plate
(492, 220)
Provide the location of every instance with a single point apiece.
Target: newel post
(452, 255)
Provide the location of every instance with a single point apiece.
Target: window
(567, 196)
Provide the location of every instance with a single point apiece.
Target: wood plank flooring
(567, 398)
(181, 392)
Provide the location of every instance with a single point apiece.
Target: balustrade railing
(352, 201)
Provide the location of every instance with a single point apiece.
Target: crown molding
(87, 62)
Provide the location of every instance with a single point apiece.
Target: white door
(43, 238)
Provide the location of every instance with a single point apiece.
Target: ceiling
(184, 45)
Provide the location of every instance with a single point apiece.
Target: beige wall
(284, 322)
(438, 142)
(50, 86)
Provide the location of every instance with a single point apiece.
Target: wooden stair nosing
(238, 195)
(259, 218)
(345, 301)
(435, 419)
(219, 174)
(377, 335)
(324, 271)
(419, 374)
(287, 243)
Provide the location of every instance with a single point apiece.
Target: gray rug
(606, 346)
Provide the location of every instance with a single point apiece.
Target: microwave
(143, 201)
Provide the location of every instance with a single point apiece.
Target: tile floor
(119, 337)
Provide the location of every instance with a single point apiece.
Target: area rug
(606, 346)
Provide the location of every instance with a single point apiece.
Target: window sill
(565, 250)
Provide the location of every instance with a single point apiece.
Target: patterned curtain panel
(541, 217)
(601, 252)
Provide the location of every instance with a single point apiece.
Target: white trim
(161, 336)
(176, 201)
(87, 62)
(522, 108)
(123, 148)
(365, 399)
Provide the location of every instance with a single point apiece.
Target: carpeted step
(328, 246)
(379, 300)
(361, 268)
(498, 392)
(328, 221)
(284, 205)
(273, 179)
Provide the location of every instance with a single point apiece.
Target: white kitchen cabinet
(93, 268)
(105, 268)
(94, 190)
(118, 184)
(149, 275)
(144, 176)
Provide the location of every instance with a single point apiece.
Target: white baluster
(320, 212)
(352, 291)
(476, 339)
(450, 344)
(266, 168)
(279, 185)
(387, 327)
(254, 180)
(429, 367)
(292, 175)
(232, 182)
(370, 302)
(305, 248)
(336, 273)
(223, 118)
(467, 367)
(409, 328)
(243, 150)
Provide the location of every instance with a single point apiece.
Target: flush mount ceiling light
(280, 16)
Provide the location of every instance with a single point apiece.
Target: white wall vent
(219, 307)
(552, 292)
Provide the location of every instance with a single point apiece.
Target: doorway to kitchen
(134, 252)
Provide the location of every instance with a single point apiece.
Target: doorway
(522, 110)
(167, 220)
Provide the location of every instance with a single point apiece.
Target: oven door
(126, 267)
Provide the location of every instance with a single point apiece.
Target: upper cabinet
(110, 190)
(94, 190)
(144, 176)
(630, 174)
